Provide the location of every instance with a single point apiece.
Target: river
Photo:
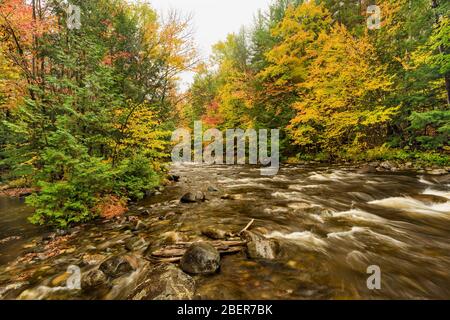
(332, 223)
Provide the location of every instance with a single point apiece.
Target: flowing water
(332, 223)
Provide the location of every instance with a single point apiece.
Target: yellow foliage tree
(141, 131)
(342, 106)
(11, 83)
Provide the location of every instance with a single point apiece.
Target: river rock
(165, 282)
(388, 166)
(93, 278)
(365, 169)
(258, 247)
(192, 197)
(201, 258)
(93, 259)
(437, 172)
(136, 244)
(173, 237)
(213, 233)
(232, 197)
(174, 178)
(116, 266)
(212, 189)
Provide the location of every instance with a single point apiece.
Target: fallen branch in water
(173, 253)
(247, 227)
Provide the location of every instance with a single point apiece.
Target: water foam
(438, 193)
(358, 215)
(305, 238)
(415, 206)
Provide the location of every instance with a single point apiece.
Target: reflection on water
(15, 229)
(331, 224)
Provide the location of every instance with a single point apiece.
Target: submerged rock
(93, 259)
(213, 233)
(136, 244)
(201, 258)
(173, 237)
(212, 189)
(93, 278)
(258, 247)
(116, 266)
(174, 178)
(192, 197)
(367, 169)
(165, 282)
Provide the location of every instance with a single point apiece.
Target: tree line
(337, 89)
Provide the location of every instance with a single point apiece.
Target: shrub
(135, 176)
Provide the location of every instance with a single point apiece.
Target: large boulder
(258, 247)
(192, 197)
(165, 282)
(201, 258)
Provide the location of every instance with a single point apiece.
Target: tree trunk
(447, 86)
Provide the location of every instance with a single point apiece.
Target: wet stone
(212, 189)
(136, 244)
(193, 197)
(258, 247)
(93, 259)
(93, 278)
(116, 266)
(213, 233)
(201, 258)
(165, 282)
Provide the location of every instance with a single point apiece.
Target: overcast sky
(213, 19)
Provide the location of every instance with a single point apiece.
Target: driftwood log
(174, 253)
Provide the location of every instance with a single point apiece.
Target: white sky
(213, 19)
